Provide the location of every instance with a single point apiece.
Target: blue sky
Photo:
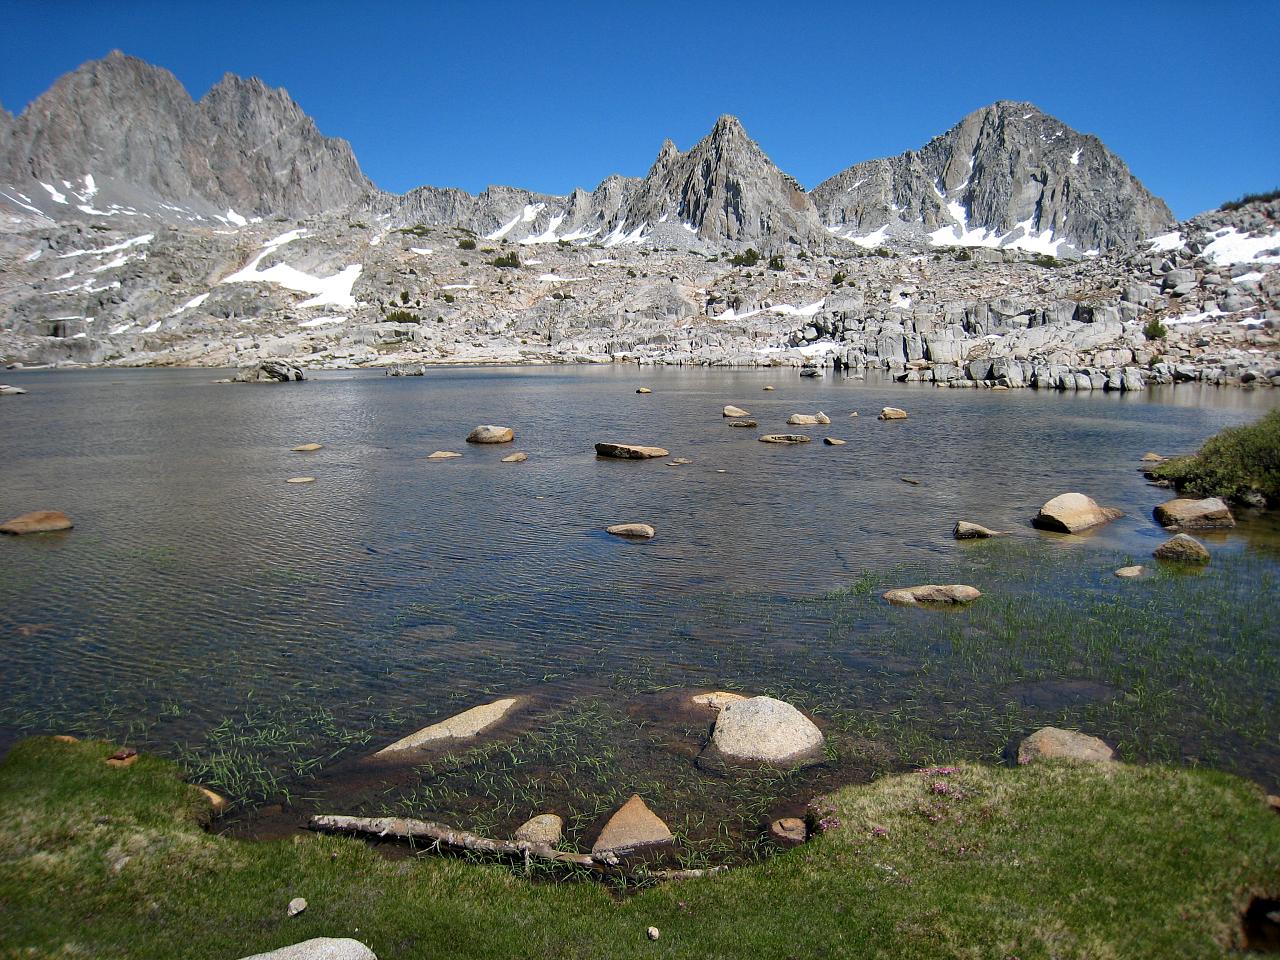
(550, 96)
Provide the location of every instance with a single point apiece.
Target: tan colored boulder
(1186, 514)
(932, 593)
(1051, 743)
(216, 800)
(488, 433)
(788, 831)
(515, 457)
(833, 441)
(808, 419)
(629, 451)
(1182, 548)
(1073, 512)
(717, 700)
(443, 455)
(633, 827)
(307, 447)
(731, 411)
(634, 531)
(964, 530)
(38, 521)
(469, 723)
(784, 438)
(892, 413)
(545, 828)
(1128, 573)
(767, 387)
(643, 390)
(762, 730)
(301, 480)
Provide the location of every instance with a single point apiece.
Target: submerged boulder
(933, 593)
(1208, 514)
(744, 423)
(469, 723)
(629, 451)
(1073, 512)
(519, 457)
(1052, 743)
(38, 521)
(765, 731)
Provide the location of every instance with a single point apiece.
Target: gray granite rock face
(1000, 167)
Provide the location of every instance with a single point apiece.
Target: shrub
(402, 316)
(963, 255)
(511, 259)
(1235, 463)
(418, 230)
(839, 278)
(775, 262)
(748, 258)
(1251, 198)
(1155, 330)
(404, 296)
(466, 243)
(448, 297)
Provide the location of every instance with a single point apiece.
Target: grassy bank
(974, 861)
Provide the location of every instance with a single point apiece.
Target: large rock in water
(629, 451)
(469, 723)
(1051, 743)
(634, 826)
(39, 521)
(1182, 548)
(487, 433)
(1073, 512)
(1188, 514)
(933, 593)
(270, 371)
(764, 730)
(320, 948)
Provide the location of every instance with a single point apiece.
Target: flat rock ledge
(633, 827)
(469, 723)
(1182, 548)
(1052, 743)
(1072, 513)
(38, 521)
(784, 438)
(629, 451)
(964, 530)
(1186, 514)
(950, 593)
(632, 531)
(488, 433)
(320, 948)
(762, 731)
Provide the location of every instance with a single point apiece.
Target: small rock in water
(8, 391)
(653, 933)
(731, 411)
(469, 723)
(629, 451)
(833, 442)
(644, 390)
(964, 530)
(443, 455)
(1049, 743)
(1130, 572)
(1073, 512)
(301, 480)
(743, 423)
(892, 413)
(678, 461)
(933, 593)
(632, 827)
(38, 521)
(296, 906)
(913, 482)
(307, 447)
(515, 458)
(1152, 458)
(545, 828)
(638, 531)
(763, 730)
(488, 433)
(784, 438)
(767, 387)
(789, 831)
(1182, 548)
(1208, 514)
(808, 419)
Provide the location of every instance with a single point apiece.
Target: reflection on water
(200, 597)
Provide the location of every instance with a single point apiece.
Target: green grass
(1053, 860)
(1235, 463)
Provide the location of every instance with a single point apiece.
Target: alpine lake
(271, 636)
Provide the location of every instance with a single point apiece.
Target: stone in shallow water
(833, 442)
(320, 948)
(469, 723)
(731, 411)
(717, 700)
(964, 530)
(38, 521)
(307, 447)
(643, 390)
(1130, 572)
(633, 827)
(1209, 514)
(544, 828)
(1183, 548)
(933, 593)
(789, 831)
(301, 480)
(515, 458)
(443, 455)
(488, 433)
(808, 419)
(1051, 743)
(764, 730)
(629, 451)
(892, 413)
(784, 438)
(743, 423)
(635, 531)
(1073, 512)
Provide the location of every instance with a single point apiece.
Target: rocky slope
(1005, 175)
(120, 138)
